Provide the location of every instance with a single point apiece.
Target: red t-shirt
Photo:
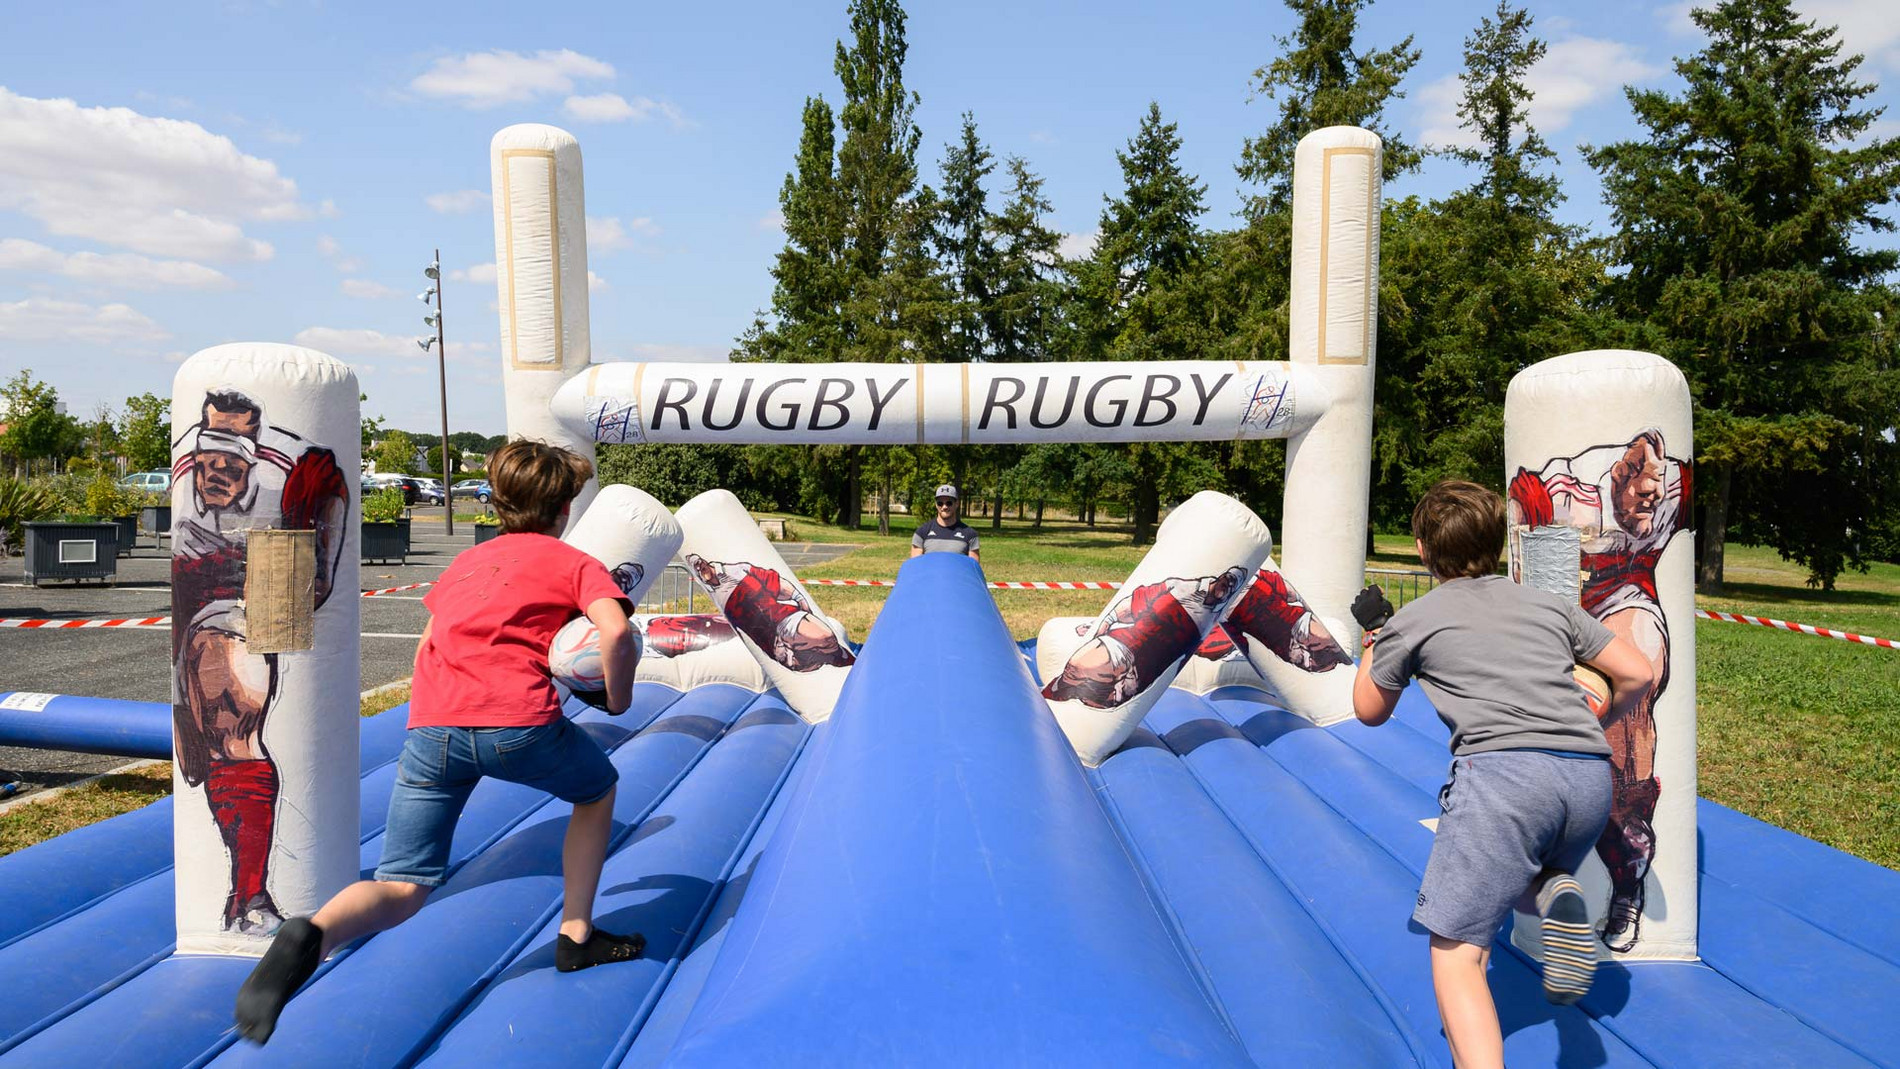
(494, 612)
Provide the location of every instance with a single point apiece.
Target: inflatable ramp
(931, 878)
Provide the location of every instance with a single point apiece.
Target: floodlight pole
(442, 380)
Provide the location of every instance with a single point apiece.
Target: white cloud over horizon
(164, 187)
(367, 290)
(481, 80)
(609, 233)
(460, 202)
(612, 107)
(48, 319)
(1575, 74)
(109, 269)
(345, 342)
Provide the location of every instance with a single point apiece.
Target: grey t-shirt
(934, 537)
(1495, 658)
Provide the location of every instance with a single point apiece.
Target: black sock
(601, 948)
(293, 955)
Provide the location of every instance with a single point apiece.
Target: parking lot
(134, 663)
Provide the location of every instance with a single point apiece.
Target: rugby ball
(1596, 689)
(574, 657)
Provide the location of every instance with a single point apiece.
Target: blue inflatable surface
(931, 878)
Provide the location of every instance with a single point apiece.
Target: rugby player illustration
(1273, 615)
(1628, 501)
(1141, 637)
(677, 636)
(775, 615)
(233, 474)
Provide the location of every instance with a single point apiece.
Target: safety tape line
(1763, 621)
(159, 621)
(992, 586)
(394, 589)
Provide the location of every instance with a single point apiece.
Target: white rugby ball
(574, 656)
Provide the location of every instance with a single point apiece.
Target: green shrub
(383, 506)
(21, 502)
(106, 499)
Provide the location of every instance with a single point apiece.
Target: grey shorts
(1509, 815)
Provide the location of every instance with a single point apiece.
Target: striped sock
(1570, 944)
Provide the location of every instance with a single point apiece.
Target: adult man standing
(945, 533)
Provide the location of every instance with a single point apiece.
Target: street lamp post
(434, 273)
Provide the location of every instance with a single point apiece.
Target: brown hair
(532, 482)
(1461, 525)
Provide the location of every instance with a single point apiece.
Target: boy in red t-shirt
(483, 705)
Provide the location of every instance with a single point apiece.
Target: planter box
(386, 541)
(486, 531)
(156, 519)
(128, 533)
(71, 551)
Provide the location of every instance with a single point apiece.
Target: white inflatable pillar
(541, 279)
(1598, 450)
(1333, 333)
(629, 531)
(804, 653)
(265, 609)
(686, 650)
(1203, 556)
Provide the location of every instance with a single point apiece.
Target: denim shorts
(1509, 815)
(441, 765)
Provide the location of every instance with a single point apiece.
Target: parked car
(156, 482)
(413, 490)
(475, 488)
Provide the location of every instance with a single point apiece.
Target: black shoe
(601, 948)
(292, 957)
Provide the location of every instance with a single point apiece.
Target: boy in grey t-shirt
(1529, 790)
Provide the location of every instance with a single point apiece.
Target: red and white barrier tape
(142, 621)
(1763, 621)
(394, 589)
(992, 586)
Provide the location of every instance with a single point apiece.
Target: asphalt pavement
(134, 663)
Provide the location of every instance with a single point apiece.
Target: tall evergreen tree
(967, 246)
(1319, 81)
(1026, 303)
(1520, 282)
(810, 274)
(1142, 294)
(1738, 215)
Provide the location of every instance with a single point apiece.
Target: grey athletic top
(1495, 658)
(934, 537)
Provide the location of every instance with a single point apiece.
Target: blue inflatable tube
(131, 931)
(661, 884)
(86, 725)
(945, 886)
(1667, 1012)
(390, 998)
(50, 880)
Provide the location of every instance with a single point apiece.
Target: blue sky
(176, 176)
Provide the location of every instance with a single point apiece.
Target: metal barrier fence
(674, 591)
(1400, 585)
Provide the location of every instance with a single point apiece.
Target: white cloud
(478, 273)
(612, 107)
(1078, 246)
(46, 319)
(772, 220)
(327, 246)
(490, 79)
(1574, 74)
(161, 186)
(595, 283)
(459, 202)
(364, 288)
(110, 269)
(340, 342)
(609, 233)
(328, 209)
(1868, 27)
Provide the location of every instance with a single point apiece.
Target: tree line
(1737, 249)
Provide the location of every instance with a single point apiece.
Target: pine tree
(1319, 81)
(1142, 297)
(1499, 282)
(966, 245)
(810, 272)
(1026, 304)
(1737, 216)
